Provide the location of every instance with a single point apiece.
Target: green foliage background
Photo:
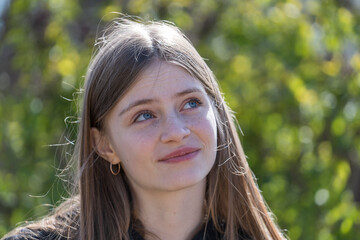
(288, 68)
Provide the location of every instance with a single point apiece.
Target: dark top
(210, 233)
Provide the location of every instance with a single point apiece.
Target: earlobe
(103, 147)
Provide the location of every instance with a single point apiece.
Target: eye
(192, 103)
(143, 116)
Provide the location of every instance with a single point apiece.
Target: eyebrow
(149, 100)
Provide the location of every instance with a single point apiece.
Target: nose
(174, 129)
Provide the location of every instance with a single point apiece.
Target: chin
(184, 183)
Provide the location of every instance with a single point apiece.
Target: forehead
(162, 79)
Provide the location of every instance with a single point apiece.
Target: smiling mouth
(180, 155)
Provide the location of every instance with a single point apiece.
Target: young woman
(159, 154)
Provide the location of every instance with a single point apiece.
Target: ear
(100, 142)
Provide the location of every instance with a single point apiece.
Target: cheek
(204, 126)
(142, 139)
(133, 146)
(210, 117)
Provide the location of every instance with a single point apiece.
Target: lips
(182, 154)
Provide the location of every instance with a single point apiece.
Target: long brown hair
(232, 195)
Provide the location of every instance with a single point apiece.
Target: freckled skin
(174, 124)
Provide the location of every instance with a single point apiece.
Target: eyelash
(145, 112)
(141, 113)
(194, 100)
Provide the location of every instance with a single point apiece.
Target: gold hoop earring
(112, 171)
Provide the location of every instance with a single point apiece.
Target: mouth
(180, 155)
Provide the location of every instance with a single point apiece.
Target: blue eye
(193, 103)
(143, 116)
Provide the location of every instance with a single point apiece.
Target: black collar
(207, 232)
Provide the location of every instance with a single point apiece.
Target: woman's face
(163, 130)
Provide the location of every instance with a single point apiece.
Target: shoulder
(62, 224)
(243, 235)
(33, 234)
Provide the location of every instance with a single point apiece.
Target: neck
(176, 215)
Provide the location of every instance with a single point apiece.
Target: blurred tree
(289, 69)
